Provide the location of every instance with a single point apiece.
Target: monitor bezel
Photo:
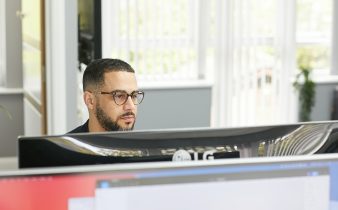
(148, 166)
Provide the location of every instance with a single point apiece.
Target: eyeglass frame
(113, 93)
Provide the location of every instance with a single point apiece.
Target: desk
(8, 163)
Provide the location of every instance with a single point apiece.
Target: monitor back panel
(184, 144)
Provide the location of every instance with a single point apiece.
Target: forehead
(119, 80)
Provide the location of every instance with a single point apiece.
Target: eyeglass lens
(121, 97)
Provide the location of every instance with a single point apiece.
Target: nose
(129, 105)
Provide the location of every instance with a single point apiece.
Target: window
(314, 29)
(249, 47)
(159, 38)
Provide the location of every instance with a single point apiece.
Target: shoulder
(81, 129)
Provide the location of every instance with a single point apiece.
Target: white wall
(324, 99)
(11, 94)
(179, 107)
(10, 128)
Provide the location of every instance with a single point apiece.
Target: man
(111, 96)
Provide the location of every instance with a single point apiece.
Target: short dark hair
(94, 73)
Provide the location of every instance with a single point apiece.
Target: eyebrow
(123, 90)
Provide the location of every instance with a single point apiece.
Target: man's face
(111, 116)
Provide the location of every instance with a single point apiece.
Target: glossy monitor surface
(167, 145)
(293, 183)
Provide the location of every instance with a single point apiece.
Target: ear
(89, 99)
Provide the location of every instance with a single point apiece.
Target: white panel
(252, 85)
(287, 46)
(62, 65)
(334, 54)
(2, 42)
(31, 115)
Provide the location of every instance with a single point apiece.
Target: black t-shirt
(81, 129)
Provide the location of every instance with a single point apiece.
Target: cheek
(114, 113)
(112, 110)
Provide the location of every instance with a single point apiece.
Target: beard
(107, 123)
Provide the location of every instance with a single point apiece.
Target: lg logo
(183, 155)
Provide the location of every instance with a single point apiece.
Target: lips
(128, 117)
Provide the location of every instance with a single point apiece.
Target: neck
(94, 125)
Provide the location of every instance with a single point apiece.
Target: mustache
(128, 114)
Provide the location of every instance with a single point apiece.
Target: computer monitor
(293, 183)
(178, 144)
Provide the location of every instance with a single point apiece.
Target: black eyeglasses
(120, 96)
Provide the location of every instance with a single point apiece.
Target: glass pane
(314, 18)
(314, 56)
(314, 28)
(31, 33)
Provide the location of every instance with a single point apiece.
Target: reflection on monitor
(177, 145)
(293, 183)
